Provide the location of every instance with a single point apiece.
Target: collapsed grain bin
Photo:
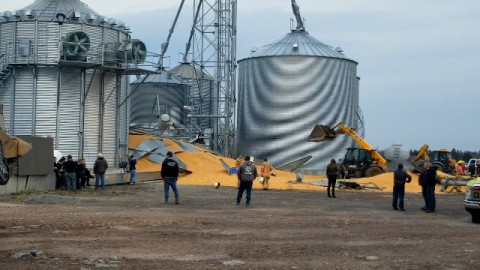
(65, 75)
(200, 102)
(284, 89)
(157, 95)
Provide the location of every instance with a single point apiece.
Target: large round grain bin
(64, 72)
(154, 95)
(287, 87)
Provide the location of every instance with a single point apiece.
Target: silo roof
(189, 71)
(163, 76)
(298, 43)
(46, 10)
(72, 11)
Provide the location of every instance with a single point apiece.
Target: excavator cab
(443, 160)
(360, 163)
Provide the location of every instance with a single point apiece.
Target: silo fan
(77, 44)
(139, 51)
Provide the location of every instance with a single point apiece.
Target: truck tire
(373, 170)
(475, 216)
(439, 166)
(4, 170)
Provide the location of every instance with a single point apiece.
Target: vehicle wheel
(475, 216)
(4, 170)
(439, 167)
(372, 171)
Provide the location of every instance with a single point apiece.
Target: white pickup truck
(472, 199)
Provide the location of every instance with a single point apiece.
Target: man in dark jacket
(99, 169)
(169, 175)
(429, 181)
(70, 175)
(332, 172)
(400, 177)
(247, 172)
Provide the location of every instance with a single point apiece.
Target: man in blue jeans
(169, 174)
(247, 172)
(99, 169)
(132, 163)
(400, 177)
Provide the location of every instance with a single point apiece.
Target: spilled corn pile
(206, 169)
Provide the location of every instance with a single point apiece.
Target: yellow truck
(472, 199)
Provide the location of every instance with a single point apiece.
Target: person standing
(170, 172)
(400, 177)
(332, 173)
(266, 171)
(81, 174)
(132, 162)
(60, 174)
(238, 162)
(70, 175)
(99, 168)
(430, 182)
(247, 172)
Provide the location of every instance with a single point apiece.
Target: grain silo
(200, 95)
(65, 75)
(284, 89)
(155, 95)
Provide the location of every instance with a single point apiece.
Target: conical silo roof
(298, 43)
(162, 77)
(189, 71)
(47, 10)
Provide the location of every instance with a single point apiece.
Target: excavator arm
(10, 147)
(325, 133)
(423, 152)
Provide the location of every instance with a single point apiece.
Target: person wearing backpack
(247, 172)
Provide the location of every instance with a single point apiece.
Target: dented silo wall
(285, 89)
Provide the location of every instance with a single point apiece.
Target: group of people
(74, 175)
(427, 180)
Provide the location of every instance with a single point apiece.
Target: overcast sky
(418, 59)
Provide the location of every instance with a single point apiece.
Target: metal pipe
(165, 45)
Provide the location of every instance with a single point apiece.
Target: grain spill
(206, 169)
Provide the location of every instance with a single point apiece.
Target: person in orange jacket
(265, 171)
(238, 162)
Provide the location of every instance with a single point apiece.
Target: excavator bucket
(321, 133)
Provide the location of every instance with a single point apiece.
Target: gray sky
(418, 59)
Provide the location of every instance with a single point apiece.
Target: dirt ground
(129, 227)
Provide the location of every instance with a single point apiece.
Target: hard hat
(460, 162)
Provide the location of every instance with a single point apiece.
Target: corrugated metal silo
(154, 95)
(200, 94)
(64, 72)
(287, 87)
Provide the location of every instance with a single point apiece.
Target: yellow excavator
(11, 148)
(363, 161)
(441, 158)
